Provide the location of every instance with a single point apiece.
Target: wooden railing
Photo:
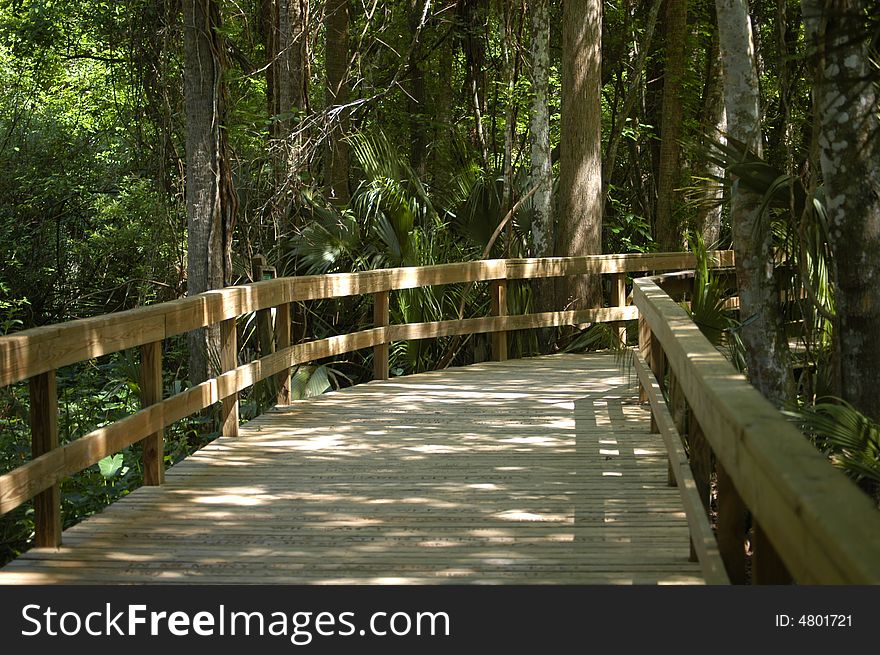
(36, 354)
(809, 522)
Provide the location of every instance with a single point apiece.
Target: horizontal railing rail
(809, 521)
(36, 354)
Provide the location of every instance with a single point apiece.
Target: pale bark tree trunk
(510, 52)
(336, 24)
(542, 167)
(763, 332)
(211, 202)
(713, 125)
(580, 164)
(846, 102)
(668, 232)
(541, 158)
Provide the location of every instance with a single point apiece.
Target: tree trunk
(668, 231)
(336, 21)
(416, 96)
(471, 17)
(211, 202)
(284, 27)
(542, 164)
(713, 125)
(846, 101)
(763, 332)
(542, 167)
(635, 90)
(580, 163)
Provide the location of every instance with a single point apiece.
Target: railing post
(282, 339)
(700, 455)
(261, 271)
(652, 352)
(767, 565)
(228, 361)
(645, 351)
(498, 294)
(618, 299)
(381, 306)
(151, 393)
(44, 437)
(731, 527)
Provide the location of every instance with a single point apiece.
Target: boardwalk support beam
(151, 393)
(381, 318)
(44, 438)
(498, 295)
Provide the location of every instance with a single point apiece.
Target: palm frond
(848, 437)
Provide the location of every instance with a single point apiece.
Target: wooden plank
(476, 271)
(618, 299)
(44, 439)
(499, 487)
(767, 566)
(700, 455)
(599, 264)
(381, 305)
(229, 362)
(702, 536)
(30, 352)
(823, 526)
(507, 323)
(498, 307)
(644, 349)
(153, 445)
(282, 339)
(731, 527)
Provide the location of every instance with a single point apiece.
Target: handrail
(28, 353)
(807, 513)
(35, 354)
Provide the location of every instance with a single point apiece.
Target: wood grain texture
(151, 393)
(702, 538)
(282, 341)
(31, 352)
(229, 362)
(823, 527)
(381, 301)
(44, 439)
(481, 474)
(498, 307)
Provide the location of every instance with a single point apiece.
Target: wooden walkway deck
(469, 475)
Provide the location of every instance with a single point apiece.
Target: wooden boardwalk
(491, 473)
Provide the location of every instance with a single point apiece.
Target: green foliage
(849, 438)
(707, 307)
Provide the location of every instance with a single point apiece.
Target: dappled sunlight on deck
(527, 471)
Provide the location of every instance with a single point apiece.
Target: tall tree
(668, 232)
(471, 17)
(416, 97)
(336, 53)
(846, 103)
(763, 331)
(713, 125)
(211, 202)
(580, 164)
(542, 167)
(285, 24)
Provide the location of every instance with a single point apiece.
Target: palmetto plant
(849, 438)
(795, 212)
